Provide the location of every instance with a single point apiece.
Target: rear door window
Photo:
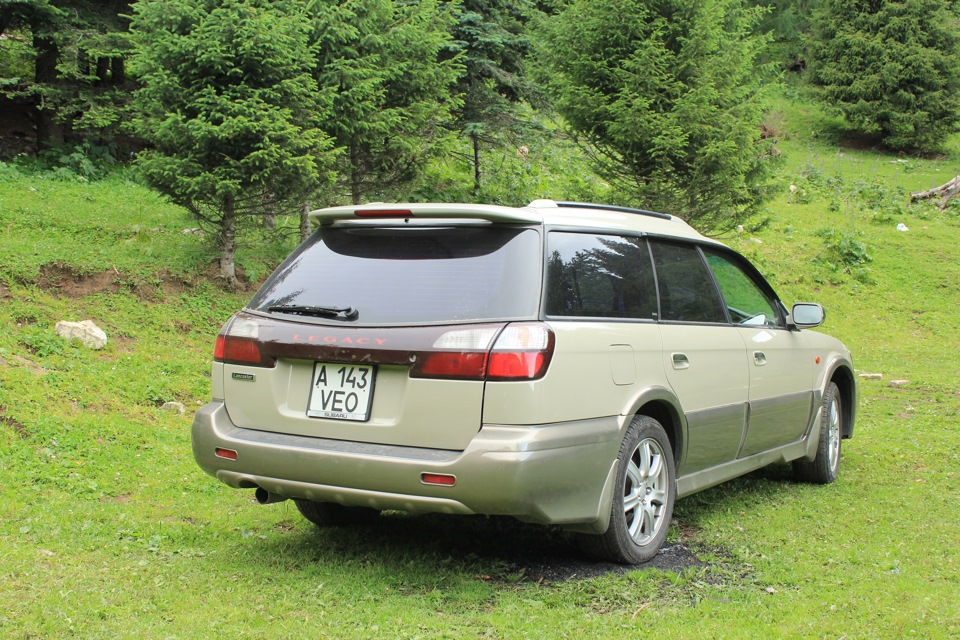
(413, 275)
(599, 276)
(687, 289)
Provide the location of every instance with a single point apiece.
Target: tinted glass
(687, 291)
(599, 276)
(413, 275)
(746, 302)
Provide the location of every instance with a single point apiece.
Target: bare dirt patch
(26, 363)
(9, 421)
(61, 279)
(562, 567)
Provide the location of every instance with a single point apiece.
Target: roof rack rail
(606, 207)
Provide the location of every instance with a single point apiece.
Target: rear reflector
(440, 479)
(226, 454)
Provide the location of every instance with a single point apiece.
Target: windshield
(411, 275)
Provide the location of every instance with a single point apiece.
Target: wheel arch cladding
(669, 418)
(846, 383)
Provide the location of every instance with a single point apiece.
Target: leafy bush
(874, 197)
(844, 252)
(81, 162)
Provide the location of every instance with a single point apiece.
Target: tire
(329, 514)
(825, 467)
(646, 489)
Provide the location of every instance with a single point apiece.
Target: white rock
(902, 227)
(176, 407)
(86, 332)
(899, 383)
(871, 376)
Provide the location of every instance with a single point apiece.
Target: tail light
(519, 352)
(239, 343)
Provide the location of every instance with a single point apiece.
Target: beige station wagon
(563, 363)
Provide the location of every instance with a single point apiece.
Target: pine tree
(890, 67)
(666, 95)
(230, 108)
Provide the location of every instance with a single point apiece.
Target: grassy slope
(108, 529)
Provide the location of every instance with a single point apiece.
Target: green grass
(108, 529)
(57, 228)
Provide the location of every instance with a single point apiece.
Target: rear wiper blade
(344, 313)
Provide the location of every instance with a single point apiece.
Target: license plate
(341, 391)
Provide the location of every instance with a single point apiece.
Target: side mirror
(806, 315)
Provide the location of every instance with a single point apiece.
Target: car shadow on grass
(501, 549)
(497, 549)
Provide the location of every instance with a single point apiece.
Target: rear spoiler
(420, 211)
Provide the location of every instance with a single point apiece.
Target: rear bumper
(549, 474)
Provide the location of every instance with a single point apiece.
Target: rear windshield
(410, 275)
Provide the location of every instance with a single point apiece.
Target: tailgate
(358, 384)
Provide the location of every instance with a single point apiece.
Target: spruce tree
(78, 64)
(788, 23)
(491, 34)
(666, 95)
(229, 107)
(391, 89)
(890, 68)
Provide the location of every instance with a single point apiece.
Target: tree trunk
(49, 130)
(305, 222)
(228, 244)
(269, 215)
(476, 163)
(118, 74)
(947, 190)
(103, 71)
(355, 177)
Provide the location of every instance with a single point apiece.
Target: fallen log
(946, 191)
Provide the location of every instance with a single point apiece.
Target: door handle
(759, 358)
(680, 361)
